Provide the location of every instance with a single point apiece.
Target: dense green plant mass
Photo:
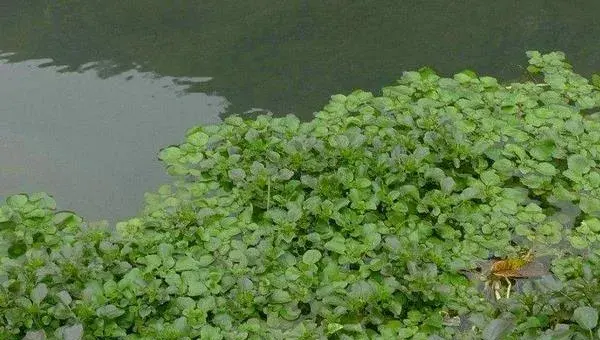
(355, 225)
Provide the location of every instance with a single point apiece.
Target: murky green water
(95, 88)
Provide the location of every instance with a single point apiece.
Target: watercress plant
(358, 224)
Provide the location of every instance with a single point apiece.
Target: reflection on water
(289, 56)
(92, 143)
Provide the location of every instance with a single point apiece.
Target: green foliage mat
(359, 224)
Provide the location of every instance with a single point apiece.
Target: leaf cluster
(354, 225)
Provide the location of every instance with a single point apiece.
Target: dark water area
(91, 90)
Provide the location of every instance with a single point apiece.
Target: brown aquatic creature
(509, 269)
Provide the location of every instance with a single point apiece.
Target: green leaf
(489, 81)
(469, 193)
(132, 280)
(198, 139)
(5, 213)
(575, 126)
(593, 224)
(497, 329)
(579, 164)
(17, 201)
(186, 263)
(533, 181)
(578, 242)
(237, 174)
(39, 293)
(35, 335)
(170, 154)
(74, 332)
(339, 141)
(596, 80)
(165, 251)
(372, 238)
(407, 332)
(333, 328)
(336, 244)
(311, 256)
(586, 317)
(465, 76)
(543, 151)
(185, 302)
(590, 205)
(507, 206)
(43, 200)
(556, 81)
(109, 312)
(195, 284)
(294, 212)
(152, 261)
(208, 332)
(280, 296)
(362, 290)
(205, 260)
(284, 175)
(546, 169)
(362, 183)
(447, 184)
(490, 178)
(64, 297)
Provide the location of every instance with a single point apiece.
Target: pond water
(91, 90)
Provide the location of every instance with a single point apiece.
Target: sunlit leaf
(109, 312)
(311, 256)
(586, 317)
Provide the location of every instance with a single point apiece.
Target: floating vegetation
(354, 225)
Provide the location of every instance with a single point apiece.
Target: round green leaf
(109, 312)
(39, 293)
(237, 174)
(490, 178)
(497, 329)
(336, 244)
(546, 169)
(17, 201)
(74, 332)
(197, 138)
(579, 164)
(64, 297)
(311, 256)
(35, 335)
(170, 154)
(5, 213)
(578, 242)
(280, 296)
(586, 317)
